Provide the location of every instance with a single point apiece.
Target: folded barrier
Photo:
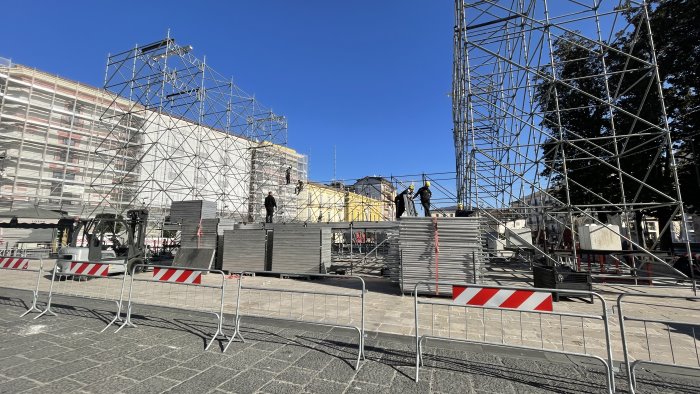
(660, 335)
(91, 280)
(507, 307)
(178, 288)
(340, 309)
(19, 266)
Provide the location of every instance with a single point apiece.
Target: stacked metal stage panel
(439, 249)
(184, 212)
(244, 250)
(297, 249)
(194, 235)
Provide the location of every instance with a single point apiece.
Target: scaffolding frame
(512, 148)
(188, 133)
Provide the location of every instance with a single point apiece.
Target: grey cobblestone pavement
(165, 353)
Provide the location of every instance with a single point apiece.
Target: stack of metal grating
(457, 258)
(195, 236)
(297, 249)
(244, 250)
(192, 211)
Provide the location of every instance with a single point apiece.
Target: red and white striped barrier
(522, 300)
(177, 275)
(91, 269)
(14, 263)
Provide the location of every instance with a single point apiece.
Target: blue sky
(370, 77)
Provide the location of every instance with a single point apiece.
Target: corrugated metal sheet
(191, 211)
(456, 257)
(243, 250)
(297, 249)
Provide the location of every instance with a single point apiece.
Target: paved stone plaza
(388, 312)
(66, 353)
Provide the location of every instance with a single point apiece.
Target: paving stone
(243, 360)
(151, 353)
(408, 386)
(275, 387)
(61, 371)
(313, 360)
(268, 345)
(290, 352)
(272, 365)
(103, 370)
(75, 354)
(112, 384)
(296, 375)
(248, 381)
(206, 360)
(17, 385)
(154, 384)
(12, 361)
(448, 382)
(179, 373)
(482, 382)
(148, 369)
(376, 372)
(29, 368)
(364, 387)
(45, 352)
(58, 387)
(204, 381)
(320, 386)
(184, 354)
(339, 371)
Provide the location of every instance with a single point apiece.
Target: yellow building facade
(322, 203)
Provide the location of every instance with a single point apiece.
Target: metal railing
(88, 280)
(680, 330)
(183, 289)
(294, 304)
(531, 324)
(15, 265)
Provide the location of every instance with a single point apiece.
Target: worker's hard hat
(410, 186)
(460, 206)
(427, 183)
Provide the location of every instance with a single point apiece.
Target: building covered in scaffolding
(84, 150)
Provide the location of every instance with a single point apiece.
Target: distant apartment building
(69, 146)
(380, 189)
(324, 203)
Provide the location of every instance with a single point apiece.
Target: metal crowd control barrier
(692, 330)
(88, 280)
(308, 306)
(21, 265)
(508, 300)
(178, 288)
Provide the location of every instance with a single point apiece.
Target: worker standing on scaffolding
(288, 175)
(270, 205)
(425, 195)
(400, 201)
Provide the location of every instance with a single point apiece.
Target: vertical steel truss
(187, 132)
(502, 51)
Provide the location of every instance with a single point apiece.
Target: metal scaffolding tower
(188, 133)
(558, 113)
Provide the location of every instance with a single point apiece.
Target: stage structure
(186, 132)
(559, 119)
